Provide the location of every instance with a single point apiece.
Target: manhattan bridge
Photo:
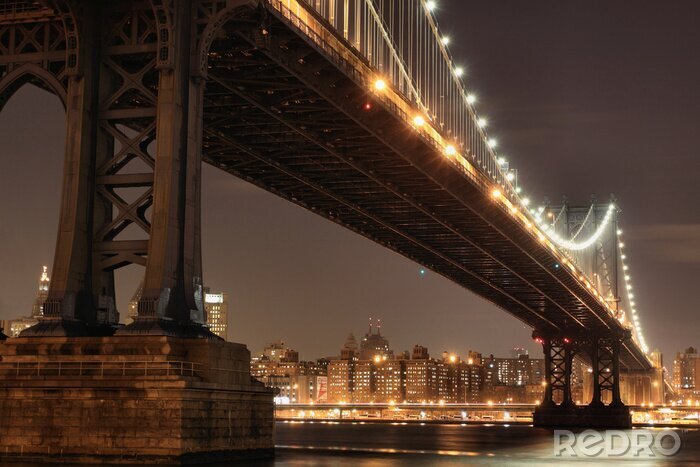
(355, 110)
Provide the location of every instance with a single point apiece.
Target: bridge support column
(604, 354)
(548, 400)
(172, 298)
(76, 293)
(558, 409)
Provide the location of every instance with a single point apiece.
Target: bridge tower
(131, 75)
(132, 86)
(600, 260)
(600, 350)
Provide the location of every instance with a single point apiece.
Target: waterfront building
(311, 389)
(390, 380)
(340, 380)
(298, 389)
(364, 378)
(296, 381)
(459, 381)
(216, 307)
(421, 377)
(519, 379)
(278, 359)
(421, 380)
(518, 371)
(686, 370)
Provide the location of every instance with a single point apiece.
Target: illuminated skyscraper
(38, 307)
(15, 326)
(216, 306)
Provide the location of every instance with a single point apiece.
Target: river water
(381, 444)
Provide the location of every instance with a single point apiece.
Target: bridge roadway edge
(131, 400)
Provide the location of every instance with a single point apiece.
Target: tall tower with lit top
(38, 307)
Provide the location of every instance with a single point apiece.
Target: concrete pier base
(131, 400)
(602, 417)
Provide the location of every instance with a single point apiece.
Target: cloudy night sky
(594, 97)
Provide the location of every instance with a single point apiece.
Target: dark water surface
(396, 444)
(374, 444)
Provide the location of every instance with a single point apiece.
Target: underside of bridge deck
(301, 123)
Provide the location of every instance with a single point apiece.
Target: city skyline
(391, 349)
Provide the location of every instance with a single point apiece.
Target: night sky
(585, 98)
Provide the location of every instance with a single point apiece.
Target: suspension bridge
(355, 110)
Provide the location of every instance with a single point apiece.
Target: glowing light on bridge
(471, 99)
(482, 122)
(577, 246)
(430, 5)
(418, 120)
(450, 150)
(380, 85)
(630, 298)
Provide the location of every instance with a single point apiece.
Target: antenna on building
(379, 327)
(370, 325)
